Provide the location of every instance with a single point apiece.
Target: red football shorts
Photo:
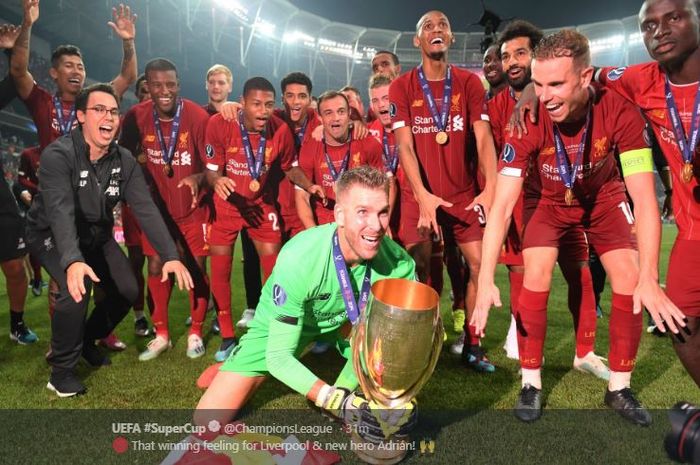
(458, 225)
(259, 218)
(682, 286)
(190, 233)
(608, 225)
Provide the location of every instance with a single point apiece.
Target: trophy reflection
(395, 347)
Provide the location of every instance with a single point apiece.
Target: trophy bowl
(395, 347)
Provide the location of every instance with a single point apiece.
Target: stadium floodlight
(234, 7)
(607, 43)
(291, 37)
(266, 28)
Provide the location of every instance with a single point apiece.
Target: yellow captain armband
(636, 161)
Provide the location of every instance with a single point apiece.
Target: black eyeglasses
(102, 110)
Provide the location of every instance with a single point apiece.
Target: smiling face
(258, 106)
(433, 35)
(493, 72)
(69, 74)
(670, 30)
(516, 58)
(379, 101)
(562, 87)
(99, 125)
(335, 117)
(296, 100)
(362, 215)
(164, 88)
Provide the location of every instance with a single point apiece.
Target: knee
(155, 267)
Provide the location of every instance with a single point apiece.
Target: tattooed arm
(124, 25)
(19, 64)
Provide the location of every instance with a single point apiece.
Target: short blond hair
(217, 68)
(379, 80)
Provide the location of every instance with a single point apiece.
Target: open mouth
(165, 101)
(515, 73)
(437, 41)
(383, 112)
(554, 109)
(106, 130)
(371, 241)
(74, 80)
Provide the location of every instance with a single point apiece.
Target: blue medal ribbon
(686, 146)
(344, 166)
(352, 308)
(65, 126)
(299, 137)
(569, 177)
(254, 162)
(168, 152)
(441, 119)
(391, 160)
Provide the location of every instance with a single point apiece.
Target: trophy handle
(367, 383)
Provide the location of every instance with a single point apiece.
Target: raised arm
(19, 63)
(124, 25)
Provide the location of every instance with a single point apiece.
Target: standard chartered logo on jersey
(425, 124)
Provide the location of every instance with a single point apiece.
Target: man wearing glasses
(81, 178)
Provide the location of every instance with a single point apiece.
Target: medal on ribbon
(568, 177)
(685, 145)
(255, 161)
(439, 119)
(168, 152)
(65, 126)
(335, 174)
(391, 159)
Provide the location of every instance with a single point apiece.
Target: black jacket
(76, 199)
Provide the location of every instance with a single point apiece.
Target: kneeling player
(294, 309)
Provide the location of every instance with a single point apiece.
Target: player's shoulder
(611, 103)
(140, 109)
(194, 110)
(393, 260)
(307, 248)
(638, 72)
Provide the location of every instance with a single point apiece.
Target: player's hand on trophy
(399, 420)
(352, 409)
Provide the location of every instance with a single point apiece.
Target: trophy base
(388, 452)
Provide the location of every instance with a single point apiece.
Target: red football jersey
(446, 166)
(616, 127)
(312, 161)
(40, 105)
(28, 169)
(225, 149)
(286, 190)
(139, 129)
(643, 84)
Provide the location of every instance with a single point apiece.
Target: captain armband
(636, 161)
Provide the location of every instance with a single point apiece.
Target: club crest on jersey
(392, 110)
(279, 296)
(210, 151)
(508, 153)
(615, 74)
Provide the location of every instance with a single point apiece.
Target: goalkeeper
(321, 280)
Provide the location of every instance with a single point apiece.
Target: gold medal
(569, 197)
(254, 185)
(441, 137)
(687, 172)
(168, 170)
(141, 158)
